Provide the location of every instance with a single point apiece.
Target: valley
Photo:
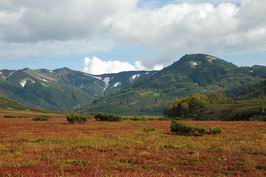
(127, 148)
(201, 116)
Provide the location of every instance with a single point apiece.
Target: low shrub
(184, 130)
(215, 131)
(9, 117)
(107, 117)
(162, 119)
(76, 119)
(40, 118)
(180, 129)
(138, 118)
(260, 167)
(259, 118)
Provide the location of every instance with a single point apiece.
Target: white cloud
(179, 28)
(40, 27)
(58, 20)
(96, 66)
(207, 1)
(198, 27)
(139, 66)
(158, 67)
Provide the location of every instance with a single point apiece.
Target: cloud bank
(98, 66)
(37, 27)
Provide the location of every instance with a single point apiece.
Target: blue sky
(136, 34)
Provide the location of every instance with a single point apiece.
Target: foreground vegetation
(76, 119)
(40, 118)
(181, 129)
(107, 117)
(128, 148)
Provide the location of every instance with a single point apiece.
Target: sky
(104, 36)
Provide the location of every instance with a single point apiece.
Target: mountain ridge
(128, 92)
(74, 88)
(192, 73)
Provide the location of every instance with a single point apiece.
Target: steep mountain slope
(115, 82)
(250, 92)
(198, 72)
(8, 104)
(62, 89)
(192, 73)
(41, 89)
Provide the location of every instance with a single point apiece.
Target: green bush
(107, 117)
(76, 119)
(9, 117)
(259, 118)
(184, 130)
(215, 131)
(261, 167)
(40, 118)
(180, 129)
(138, 118)
(188, 107)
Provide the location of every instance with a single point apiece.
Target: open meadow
(127, 148)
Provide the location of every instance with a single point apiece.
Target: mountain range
(132, 92)
(62, 89)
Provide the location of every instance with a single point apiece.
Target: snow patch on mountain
(44, 80)
(117, 84)
(106, 80)
(23, 82)
(10, 74)
(2, 75)
(193, 64)
(135, 76)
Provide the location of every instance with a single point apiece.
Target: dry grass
(56, 148)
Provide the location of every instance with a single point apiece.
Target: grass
(128, 148)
